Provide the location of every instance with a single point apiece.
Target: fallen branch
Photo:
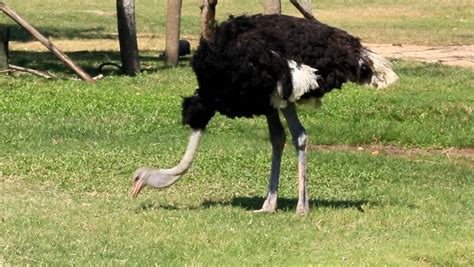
(63, 57)
(307, 14)
(31, 71)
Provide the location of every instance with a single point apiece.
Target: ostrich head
(147, 176)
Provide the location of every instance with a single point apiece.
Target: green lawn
(68, 149)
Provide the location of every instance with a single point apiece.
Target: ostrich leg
(277, 138)
(300, 140)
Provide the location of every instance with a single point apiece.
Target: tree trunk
(128, 37)
(208, 18)
(272, 7)
(173, 16)
(3, 49)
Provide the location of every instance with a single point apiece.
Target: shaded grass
(67, 150)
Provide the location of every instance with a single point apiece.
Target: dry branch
(31, 71)
(63, 57)
(306, 13)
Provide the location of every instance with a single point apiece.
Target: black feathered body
(240, 68)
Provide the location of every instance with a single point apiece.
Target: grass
(67, 150)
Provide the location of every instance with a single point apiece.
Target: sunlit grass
(67, 150)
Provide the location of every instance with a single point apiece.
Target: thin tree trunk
(3, 49)
(173, 16)
(42, 39)
(128, 37)
(272, 7)
(208, 18)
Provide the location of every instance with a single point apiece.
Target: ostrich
(264, 65)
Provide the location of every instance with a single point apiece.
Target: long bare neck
(189, 155)
(166, 177)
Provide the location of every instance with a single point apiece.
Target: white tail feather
(383, 75)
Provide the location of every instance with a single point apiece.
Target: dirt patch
(146, 42)
(365, 13)
(462, 56)
(395, 150)
(101, 13)
(463, 156)
(450, 55)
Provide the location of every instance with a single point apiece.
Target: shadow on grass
(287, 204)
(17, 33)
(255, 203)
(152, 206)
(89, 61)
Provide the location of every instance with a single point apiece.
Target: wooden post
(208, 18)
(128, 37)
(173, 17)
(63, 57)
(3, 49)
(272, 7)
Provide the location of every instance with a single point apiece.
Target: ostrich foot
(302, 209)
(269, 206)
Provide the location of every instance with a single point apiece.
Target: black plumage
(239, 68)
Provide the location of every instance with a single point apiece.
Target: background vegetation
(67, 150)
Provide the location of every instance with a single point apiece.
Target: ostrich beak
(137, 188)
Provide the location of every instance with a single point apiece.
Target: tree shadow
(89, 61)
(17, 33)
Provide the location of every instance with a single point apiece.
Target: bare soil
(462, 56)
(464, 156)
(376, 149)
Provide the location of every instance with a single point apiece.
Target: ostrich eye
(136, 179)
